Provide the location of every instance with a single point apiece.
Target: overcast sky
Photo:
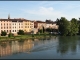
(40, 10)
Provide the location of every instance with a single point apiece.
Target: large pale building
(5, 25)
(16, 25)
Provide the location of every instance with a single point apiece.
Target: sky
(40, 10)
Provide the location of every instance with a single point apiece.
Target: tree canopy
(67, 27)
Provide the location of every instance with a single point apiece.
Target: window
(7, 30)
(10, 30)
(7, 27)
(19, 23)
(7, 23)
(1, 23)
(4, 23)
(15, 27)
(4, 27)
(13, 30)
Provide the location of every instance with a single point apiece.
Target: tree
(48, 29)
(10, 35)
(74, 27)
(40, 30)
(43, 29)
(79, 26)
(3, 33)
(64, 26)
(21, 32)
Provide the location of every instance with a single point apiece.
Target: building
(51, 24)
(5, 25)
(16, 25)
(28, 25)
(39, 24)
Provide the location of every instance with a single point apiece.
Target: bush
(3, 33)
(21, 32)
(10, 35)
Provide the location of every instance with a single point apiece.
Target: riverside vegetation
(68, 28)
(22, 36)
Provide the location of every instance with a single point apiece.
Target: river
(56, 47)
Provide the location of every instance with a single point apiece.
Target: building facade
(16, 25)
(28, 25)
(5, 25)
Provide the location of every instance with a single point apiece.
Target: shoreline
(24, 37)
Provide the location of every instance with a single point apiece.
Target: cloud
(48, 13)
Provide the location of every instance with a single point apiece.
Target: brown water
(48, 48)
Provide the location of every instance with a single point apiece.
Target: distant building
(28, 25)
(5, 25)
(51, 24)
(14, 25)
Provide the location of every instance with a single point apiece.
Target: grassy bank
(23, 37)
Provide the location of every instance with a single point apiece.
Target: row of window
(5, 24)
(16, 27)
(6, 30)
(5, 27)
(28, 26)
(19, 24)
(10, 30)
(19, 27)
(15, 30)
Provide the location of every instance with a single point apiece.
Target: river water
(56, 47)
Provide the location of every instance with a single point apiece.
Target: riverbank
(24, 37)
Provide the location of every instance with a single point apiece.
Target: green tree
(64, 26)
(10, 35)
(74, 27)
(3, 33)
(79, 26)
(40, 30)
(21, 32)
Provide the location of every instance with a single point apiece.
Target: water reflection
(54, 45)
(14, 47)
(26, 46)
(67, 44)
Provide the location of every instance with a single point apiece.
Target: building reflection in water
(14, 47)
(26, 46)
